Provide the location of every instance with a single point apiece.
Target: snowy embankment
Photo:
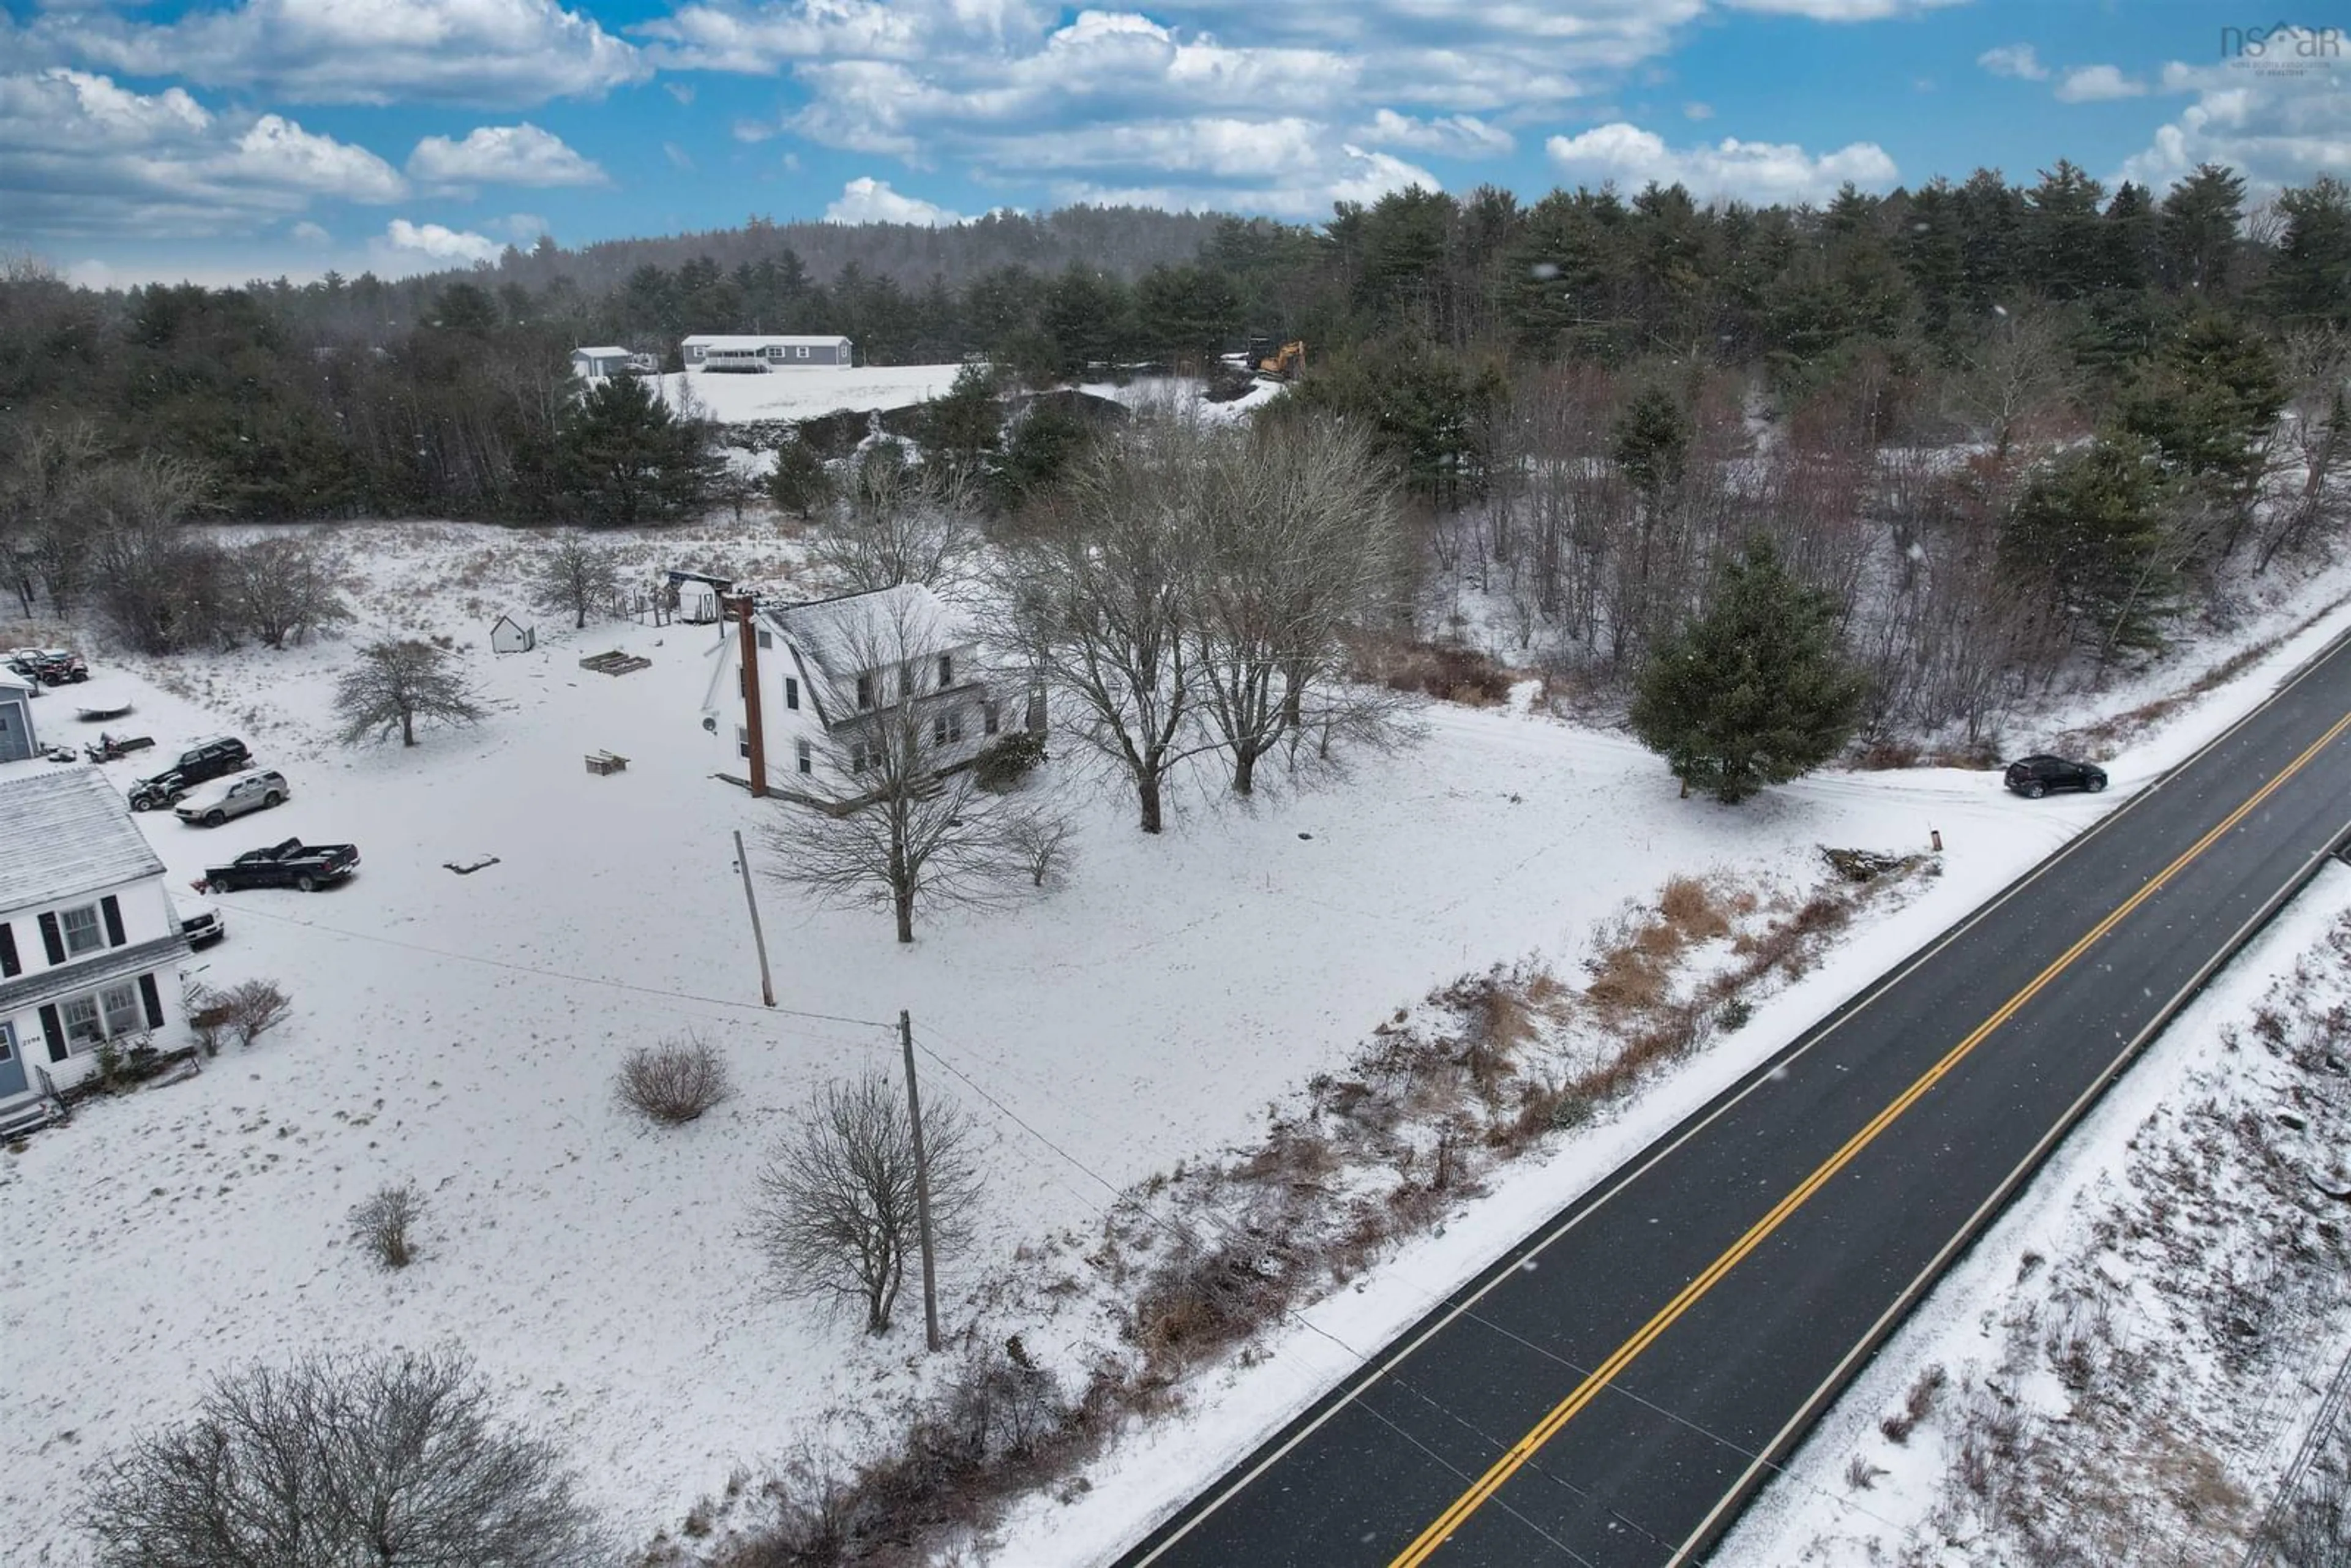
(463, 1032)
(803, 394)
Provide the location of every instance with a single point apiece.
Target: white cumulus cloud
(361, 51)
(436, 245)
(81, 156)
(502, 155)
(1758, 172)
(2019, 60)
(1448, 136)
(2098, 84)
(866, 200)
(2273, 129)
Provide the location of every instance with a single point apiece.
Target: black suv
(2033, 777)
(205, 759)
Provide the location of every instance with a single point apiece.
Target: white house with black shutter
(90, 945)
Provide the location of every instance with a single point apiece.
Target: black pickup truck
(290, 864)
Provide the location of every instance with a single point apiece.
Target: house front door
(12, 1064)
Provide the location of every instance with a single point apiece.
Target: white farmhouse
(90, 944)
(719, 351)
(831, 672)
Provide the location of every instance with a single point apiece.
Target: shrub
(209, 1018)
(674, 1081)
(255, 1008)
(381, 1223)
(1004, 763)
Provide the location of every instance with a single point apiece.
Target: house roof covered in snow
(68, 832)
(12, 681)
(605, 352)
(755, 340)
(868, 631)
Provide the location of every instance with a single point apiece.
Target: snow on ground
(462, 1031)
(804, 394)
(1184, 393)
(1815, 1515)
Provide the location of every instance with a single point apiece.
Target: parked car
(2033, 777)
(204, 927)
(26, 662)
(58, 666)
(205, 759)
(215, 803)
(290, 864)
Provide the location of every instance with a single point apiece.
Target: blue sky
(228, 139)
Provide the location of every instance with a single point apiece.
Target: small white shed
(509, 635)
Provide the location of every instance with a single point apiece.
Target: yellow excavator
(1285, 362)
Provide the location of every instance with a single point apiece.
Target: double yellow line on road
(1442, 1528)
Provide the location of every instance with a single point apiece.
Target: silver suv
(213, 804)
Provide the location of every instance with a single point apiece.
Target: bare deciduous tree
(895, 820)
(396, 682)
(836, 1212)
(392, 1461)
(161, 587)
(39, 528)
(898, 523)
(1297, 543)
(571, 575)
(1101, 602)
(284, 591)
(1039, 844)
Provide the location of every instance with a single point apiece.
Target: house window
(802, 353)
(8, 1041)
(81, 930)
(742, 682)
(766, 638)
(742, 741)
(102, 1016)
(807, 761)
(947, 671)
(791, 692)
(775, 351)
(865, 690)
(990, 719)
(860, 755)
(946, 728)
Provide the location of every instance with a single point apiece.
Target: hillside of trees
(1999, 423)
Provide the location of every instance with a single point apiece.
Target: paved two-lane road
(1609, 1393)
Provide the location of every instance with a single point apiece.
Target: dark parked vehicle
(56, 666)
(290, 864)
(206, 759)
(2033, 777)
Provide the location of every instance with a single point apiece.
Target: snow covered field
(462, 1031)
(804, 394)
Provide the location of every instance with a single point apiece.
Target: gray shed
(16, 742)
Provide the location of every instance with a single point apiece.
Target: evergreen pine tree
(627, 459)
(1754, 691)
(2088, 532)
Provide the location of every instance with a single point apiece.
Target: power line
(754, 1008)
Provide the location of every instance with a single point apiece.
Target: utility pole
(921, 1186)
(758, 937)
(741, 605)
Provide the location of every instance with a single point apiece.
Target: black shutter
(154, 1000)
(111, 907)
(52, 939)
(55, 1031)
(9, 963)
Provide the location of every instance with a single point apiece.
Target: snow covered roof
(752, 341)
(68, 832)
(606, 353)
(11, 681)
(860, 632)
